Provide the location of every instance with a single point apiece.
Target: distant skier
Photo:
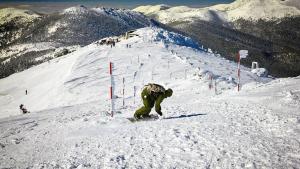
(26, 92)
(152, 94)
(23, 109)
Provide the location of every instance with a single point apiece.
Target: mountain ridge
(245, 9)
(75, 26)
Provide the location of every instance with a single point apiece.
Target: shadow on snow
(185, 116)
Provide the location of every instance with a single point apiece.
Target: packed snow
(69, 125)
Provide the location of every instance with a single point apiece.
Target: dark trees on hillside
(17, 64)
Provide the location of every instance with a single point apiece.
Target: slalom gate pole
(111, 89)
(239, 71)
(134, 90)
(123, 92)
(134, 75)
(216, 91)
(210, 82)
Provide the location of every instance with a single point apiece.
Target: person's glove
(160, 113)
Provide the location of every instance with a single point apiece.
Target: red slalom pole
(110, 68)
(111, 89)
(110, 92)
(210, 82)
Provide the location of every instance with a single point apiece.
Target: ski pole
(123, 92)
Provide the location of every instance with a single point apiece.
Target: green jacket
(154, 97)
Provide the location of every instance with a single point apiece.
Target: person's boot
(136, 117)
(146, 116)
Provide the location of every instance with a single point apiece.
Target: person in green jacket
(152, 94)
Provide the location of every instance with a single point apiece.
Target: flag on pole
(243, 54)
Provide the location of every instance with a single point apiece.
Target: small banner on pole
(243, 54)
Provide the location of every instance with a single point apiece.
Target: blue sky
(125, 3)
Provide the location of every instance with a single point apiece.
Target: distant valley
(269, 29)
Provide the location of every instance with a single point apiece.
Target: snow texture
(68, 126)
(261, 72)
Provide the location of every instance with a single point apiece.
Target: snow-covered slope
(246, 9)
(63, 68)
(201, 128)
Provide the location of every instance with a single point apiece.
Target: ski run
(69, 126)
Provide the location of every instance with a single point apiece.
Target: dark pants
(146, 109)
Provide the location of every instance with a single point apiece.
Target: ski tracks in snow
(220, 134)
(199, 129)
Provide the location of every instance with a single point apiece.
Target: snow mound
(260, 72)
(158, 34)
(293, 97)
(222, 81)
(81, 9)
